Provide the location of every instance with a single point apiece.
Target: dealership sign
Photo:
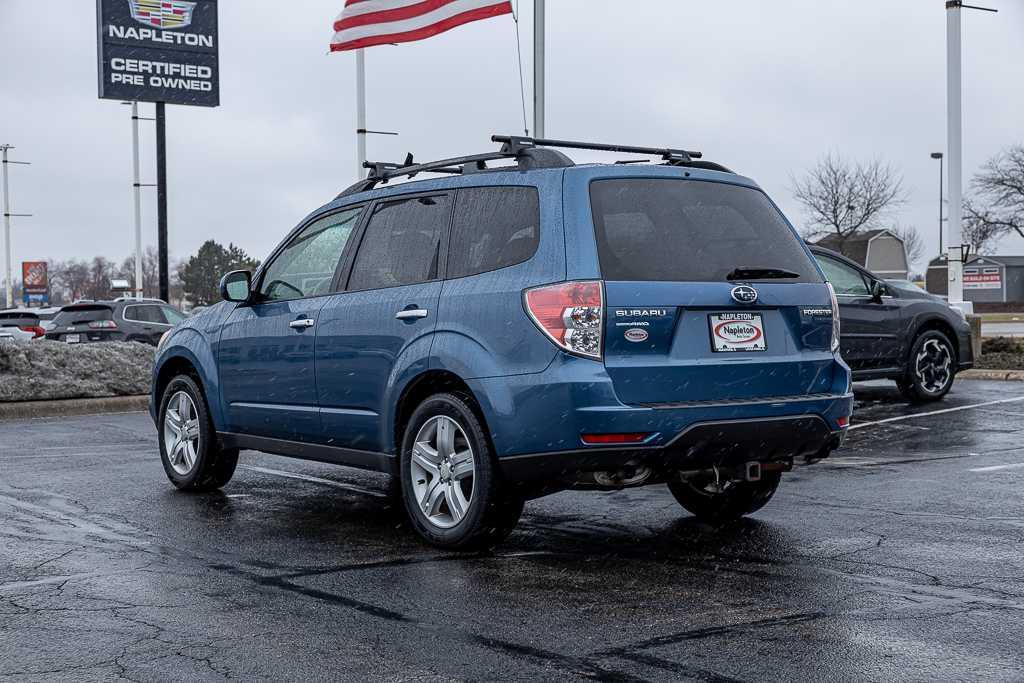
(982, 278)
(159, 51)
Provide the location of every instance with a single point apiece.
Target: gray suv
(139, 320)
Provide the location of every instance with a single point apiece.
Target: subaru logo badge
(744, 294)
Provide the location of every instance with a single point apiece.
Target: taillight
(102, 325)
(571, 314)
(36, 331)
(835, 317)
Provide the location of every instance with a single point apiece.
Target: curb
(1006, 375)
(26, 410)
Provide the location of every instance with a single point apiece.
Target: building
(994, 280)
(880, 251)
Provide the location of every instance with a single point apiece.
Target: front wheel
(192, 458)
(931, 368)
(711, 500)
(450, 483)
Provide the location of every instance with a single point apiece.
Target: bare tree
(843, 198)
(913, 244)
(998, 208)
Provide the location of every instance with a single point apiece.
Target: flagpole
(360, 113)
(538, 68)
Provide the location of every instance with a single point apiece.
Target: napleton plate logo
(162, 13)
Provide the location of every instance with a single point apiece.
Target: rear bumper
(702, 445)
(537, 422)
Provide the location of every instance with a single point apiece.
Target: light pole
(8, 277)
(955, 149)
(938, 155)
(137, 197)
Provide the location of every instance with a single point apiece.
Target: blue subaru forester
(514, 328)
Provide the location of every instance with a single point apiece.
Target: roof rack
(530, 153)
(514, 143)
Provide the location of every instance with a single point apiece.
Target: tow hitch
(748, 471)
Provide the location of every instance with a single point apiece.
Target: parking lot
(899, 558)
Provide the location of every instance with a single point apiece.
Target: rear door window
(146, 313)
(493, 227)
(690, 231)
(402, 243)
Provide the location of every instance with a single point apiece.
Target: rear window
(690, 231)
(83, 314)
(18, 319)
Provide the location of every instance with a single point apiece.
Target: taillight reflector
(34, 329)
(571, 314)
(843, 421)
(632, 437)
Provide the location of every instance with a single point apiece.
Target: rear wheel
(450, 483)
(191, 456)
(712, 500)
(930, 369)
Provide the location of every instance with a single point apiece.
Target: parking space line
(900, 418)
(996, 468)
(315, 480)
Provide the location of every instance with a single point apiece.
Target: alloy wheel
(933, 365)
(443, 471)
(181, 432)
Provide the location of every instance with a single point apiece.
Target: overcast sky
(763, 87)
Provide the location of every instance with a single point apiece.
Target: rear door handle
(411, 314)
(301, 324)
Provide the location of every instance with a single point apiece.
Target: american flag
(376, 22)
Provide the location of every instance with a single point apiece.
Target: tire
(453, 501)
(931, 368)
(735, 500)
(197, 463)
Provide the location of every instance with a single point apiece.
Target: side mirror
(236, 286)
(877, 290)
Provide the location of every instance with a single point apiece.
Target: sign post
(162, 51)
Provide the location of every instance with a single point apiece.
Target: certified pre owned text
(161, 74)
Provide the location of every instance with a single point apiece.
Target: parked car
(895, 331)
(138, 320)
(503, 333)
(21, 324)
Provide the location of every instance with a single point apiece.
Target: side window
(401, 244)
(143, 314)
(172, 315)
(844, 279)
(494, 227)
(306, 266)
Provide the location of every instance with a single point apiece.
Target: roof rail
(530, 153)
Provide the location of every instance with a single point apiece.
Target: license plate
(72, 338)
(737, 332)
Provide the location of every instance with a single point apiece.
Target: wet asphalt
(898, 559)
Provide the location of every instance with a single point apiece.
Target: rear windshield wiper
(743, 273)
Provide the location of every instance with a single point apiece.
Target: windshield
(693, 231)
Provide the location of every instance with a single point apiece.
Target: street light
(938, 155)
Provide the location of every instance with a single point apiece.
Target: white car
(20, 325)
